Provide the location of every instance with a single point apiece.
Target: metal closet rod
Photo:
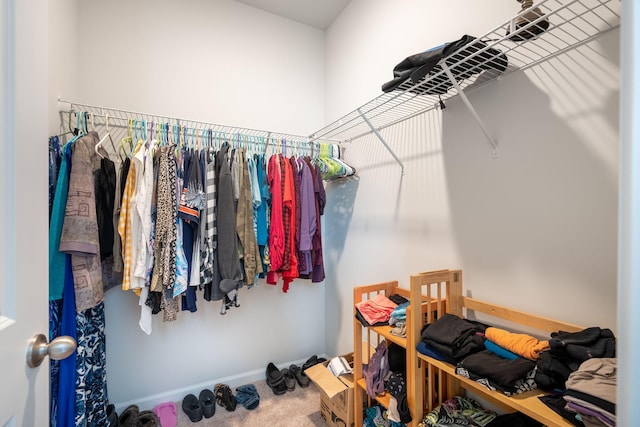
(120, 114)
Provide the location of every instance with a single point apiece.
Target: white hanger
(104, 138)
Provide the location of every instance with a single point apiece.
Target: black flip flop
(275, 379)
(300, 376)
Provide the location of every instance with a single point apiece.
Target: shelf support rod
(447, 70)
(375, 131)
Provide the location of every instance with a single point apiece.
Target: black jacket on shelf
(416, 67)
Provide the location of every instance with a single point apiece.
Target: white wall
(219, 62)
(534, 229)
(215, 61)
(63, 40)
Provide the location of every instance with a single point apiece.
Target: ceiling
(316, 13)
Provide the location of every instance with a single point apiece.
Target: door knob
(57, 349)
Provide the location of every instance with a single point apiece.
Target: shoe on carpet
(275, 379)
(224, 397)
(248, 396)
(289, 379)
(207, 403)
(112, 416)
(300, 376)
(128, 416)
(147, 419)
(167, 414)
(191, 407)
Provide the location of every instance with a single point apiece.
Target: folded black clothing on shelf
(398, 299)
(454, 337)
(557, 403)
(585, 344)
(503, 371)
(568, 350)
(515, 419)
(364, 322)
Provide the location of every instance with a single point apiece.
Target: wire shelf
(119, 118)
(571, 24)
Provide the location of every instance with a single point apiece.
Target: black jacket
(415, 67)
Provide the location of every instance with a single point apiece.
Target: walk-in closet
(518, 170)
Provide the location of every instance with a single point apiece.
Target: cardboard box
(336, 393)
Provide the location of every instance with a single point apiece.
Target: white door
(24, 396)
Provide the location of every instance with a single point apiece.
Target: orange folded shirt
(521, 344)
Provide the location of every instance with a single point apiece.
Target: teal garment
(500, 351)
(57, 258)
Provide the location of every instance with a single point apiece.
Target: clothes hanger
(104, 138)
(80, 119)
(127, 139)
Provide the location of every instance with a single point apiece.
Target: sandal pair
(224, 397)
(312, 361)
(248, 396)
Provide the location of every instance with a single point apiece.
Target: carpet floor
(297, 408)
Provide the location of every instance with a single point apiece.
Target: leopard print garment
(164, 272)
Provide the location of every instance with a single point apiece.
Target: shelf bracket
(375, 131)
(452, 79)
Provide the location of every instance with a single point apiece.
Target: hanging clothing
(55, 158)
(289, 215)
(80, 229)
(191, 202)
(141, 216)
(276, 230)
(307, 219)
(121, 178)
(318, 274)
(62, 302)
(57, 258)
(285, 175)
(125, 226)
(66, 400)
(208, 222)
(263, 211)
(164, 270)
(91, 384)
(248, 247)
(104, 174)
(228, 273)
